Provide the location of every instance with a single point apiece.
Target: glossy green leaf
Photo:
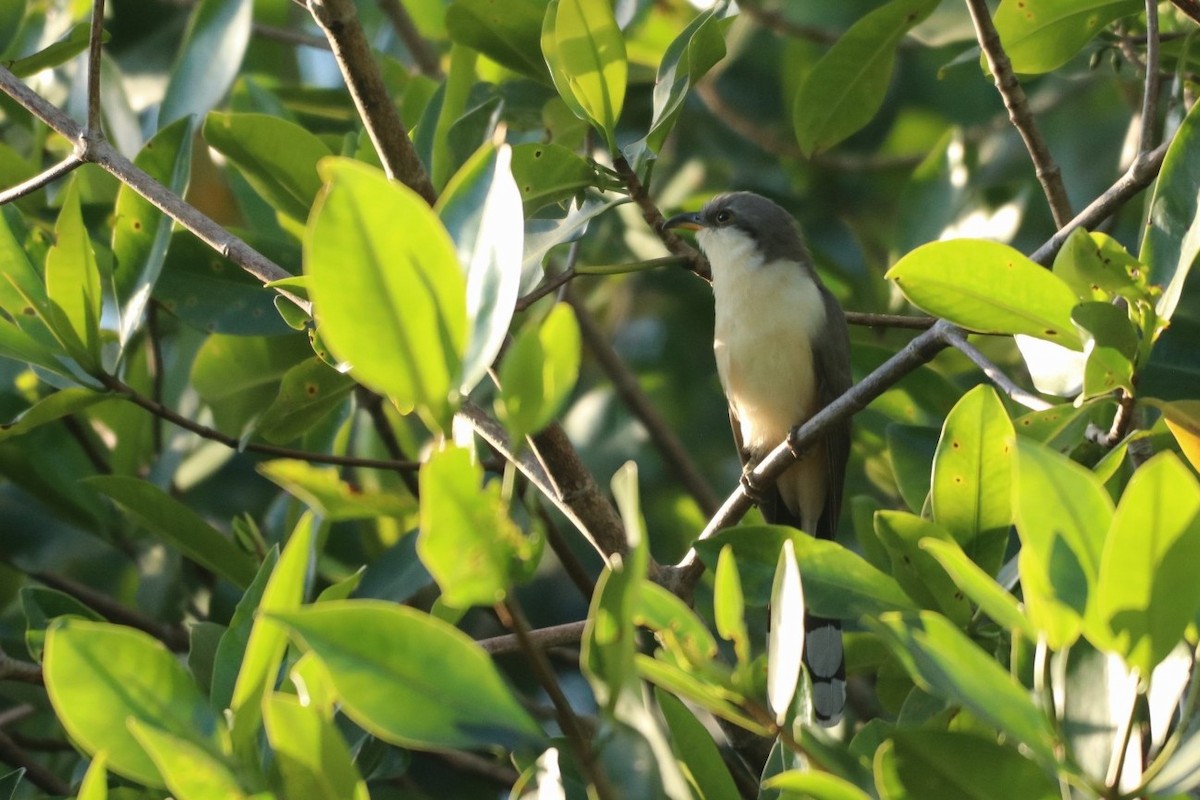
(542, 235)
(99, 676)
(481, 209)
(267, 642)
(238, 376)
(72, 275)
(52, 407)
(323, 489)
(712, 697)
(278, 158)
(190, 771)
(586, 56)
(812, 785)
(549, 173)
(314, 760)
(95, 780)
(209, 59)
(988, 287)
(390, 299)
(539, 372)
(231, 649)
(914, 569)
(308, 392)
(42, 606)
(1097, 267)
(971, 493)
(846, 87)
(1062, 513)
(785, 648)
(1146, 595)
(179, 525)
(838, 583)
(56, 54)
(1059, 427)
(506, 31)
(694, 746)
(945, 662)
(919, 764)
(910, 449)
(142, 233)
(729, 607)
(1171, 242)
(467, 540)
(1042, 35)
(1111, 344)
(682, 634)
(410, 679)
(976, 584)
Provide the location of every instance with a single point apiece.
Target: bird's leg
(798, 452)
(751, 485)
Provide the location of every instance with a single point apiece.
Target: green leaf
(42, 606)
(1062, 513)
(910, 449)
(409, 678)
(95, 780)
(52, 407)
(191, 772)
(308, 392)
(945, 662)
(390, 299)
(481, 210)
(915, 570)
(918, 764)
(1098, 267)
(1146, 595)
(682, 634)
(1111, 344)
(550, 173)
(278, 158)
(313, 758)
(56, 54)
(177, 524)
(141, 233)
(11, 14)
(812, 785)
(586, 56)
(506, 31)
(1173, 370)
(1172, 238)
(1042, 35)
(971, 493)
(538, 372)
(204, 638)
(238, 376)
(729, 607)
(838, 583)
(209, 58)
(988, 287)
(467, 540)
(979, 586)
(99, 676)
(846, 87)
(323, 490)
(72, 276)
(712, 697)
(231, 649)
(785, 649)
(696, 750)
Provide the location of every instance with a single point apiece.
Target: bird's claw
(753, 489)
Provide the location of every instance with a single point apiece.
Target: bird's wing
(770, 501)
(831, 362)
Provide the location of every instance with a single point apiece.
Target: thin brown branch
(176, 638)
(655, 219)
(423, 54)
(463, 761)
(869, 320)
(1047, 170)
(1121, 423)
(544, 288)
(339, 20)
(37, 774)
(383, 429)
(1190, 8)
(14, 669)
(92, 126)
(1151, 89)
(511, 615)
(570, 563)
(959, 341)
(272, 32)
(159, 410)
(569, 633)
(630, 391)
(78, 431)
(42, 179)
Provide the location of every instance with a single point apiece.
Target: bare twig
(654, 218)
(544, 288)
(630, 391)
(510, 614)
(37, 774)
(995, 374)
(889, 320)
(1150, 92)
(175, 638)
(553, 636)
(159, 410)
(42, 179)
(1121, 423)
(383, 429)
(425, 56)
(571, 564)
(14, 669)
(92, 126)
(78, 432)
(1048, 173)
(272, 32)
(464, 761)
(339, 20)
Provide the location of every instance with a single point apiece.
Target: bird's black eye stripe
(723, 216)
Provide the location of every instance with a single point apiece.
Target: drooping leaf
(209, 58)
(1042, 35)
(813, 785)
(846, 87)
(989, 288)
(390, 299)
(1111, 343)
(95, 781)
(409, 678)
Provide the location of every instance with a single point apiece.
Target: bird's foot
(754, 488)
(798, 450)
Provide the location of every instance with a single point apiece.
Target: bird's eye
(722, 217)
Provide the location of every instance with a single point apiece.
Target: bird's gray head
(726, 218)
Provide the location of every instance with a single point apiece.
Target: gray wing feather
(831, 362)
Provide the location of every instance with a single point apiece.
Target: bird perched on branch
(783, 352)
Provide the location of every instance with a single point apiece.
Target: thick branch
(1048, 173)
(339, 20)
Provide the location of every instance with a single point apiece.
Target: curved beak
(691, 222)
